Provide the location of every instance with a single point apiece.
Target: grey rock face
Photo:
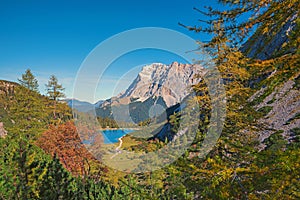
(259, 47)
(171, 82)
(285, 103)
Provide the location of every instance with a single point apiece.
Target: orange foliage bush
(63, 141)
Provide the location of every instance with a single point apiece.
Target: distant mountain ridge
(81, 106)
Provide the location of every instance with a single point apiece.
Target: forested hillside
(256, 157)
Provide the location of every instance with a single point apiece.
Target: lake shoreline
(113, 136)
(114, 129)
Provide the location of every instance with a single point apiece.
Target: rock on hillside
(7, 88)
(263, 46)
(3, 132)
(282, 110)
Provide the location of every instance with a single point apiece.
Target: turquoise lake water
(112, 136)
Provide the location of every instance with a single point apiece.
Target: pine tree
(54, 89)
(55, 92)
(57, 182)
(175, 122)
(22, 168)
(29, 113)
(29, 81)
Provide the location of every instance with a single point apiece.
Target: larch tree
(232, 23)
(232, 163)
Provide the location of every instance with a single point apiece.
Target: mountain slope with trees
(256, 156)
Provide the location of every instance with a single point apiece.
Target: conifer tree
(57, 182)
(54, 89)
(29, 81)
(175, 122)
(29, 113)
(55, 92)
(22, 167)
(231, 170)
(240, 18)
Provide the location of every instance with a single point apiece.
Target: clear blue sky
(54, 37)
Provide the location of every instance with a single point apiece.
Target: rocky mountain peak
(171, 82)
(153, 66)
(156, 84)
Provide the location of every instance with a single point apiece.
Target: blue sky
(54, 37)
